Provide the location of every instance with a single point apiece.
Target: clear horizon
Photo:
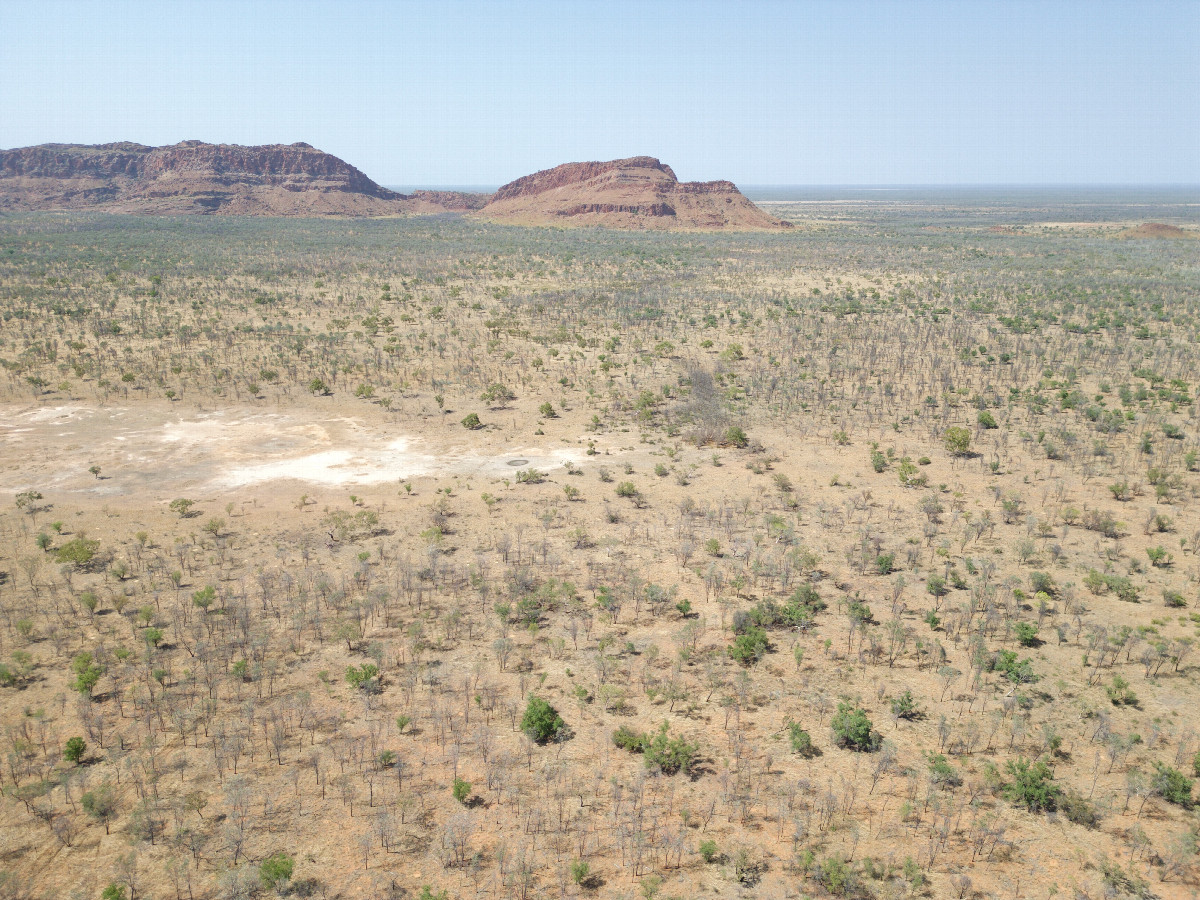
(762, 94)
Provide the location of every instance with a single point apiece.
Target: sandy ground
(158, 449)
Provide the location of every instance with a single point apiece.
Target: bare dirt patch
(158, 448)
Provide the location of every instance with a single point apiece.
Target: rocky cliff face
(195, 177)
(639, 192)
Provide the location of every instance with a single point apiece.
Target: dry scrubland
(964, 509)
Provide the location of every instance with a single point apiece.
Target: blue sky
(757, 92)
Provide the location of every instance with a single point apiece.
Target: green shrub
(800, 740)
(579, 871)
(1120, 693)
(364, 677)
(852, 729)
(1018, 671)
(276, 870)
(497, 395)
(836, 875)
(669, 755)
(1076, 808)
(542, 722)
(1027, 634)
(1032, 786)
(461, 790)
(941, 772)
(987, 420)
(735, 437)
(958, 440)
(708, 851)
(905, 707)
(87, 672)
(1173, 599)
(1041, 581)
(628, 739)
(471, 422)
(79, 551)
(1172, 785)
(74, 750)
(750, 646)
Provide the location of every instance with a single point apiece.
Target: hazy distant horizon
(799, 191)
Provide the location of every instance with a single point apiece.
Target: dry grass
(389, 534)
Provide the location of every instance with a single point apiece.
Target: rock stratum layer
(194, 177)
(639, 192)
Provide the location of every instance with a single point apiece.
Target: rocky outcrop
(1157, 230)
(639, 192)
(196, 177)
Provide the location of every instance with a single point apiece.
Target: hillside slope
(197, 177)
(639, 192)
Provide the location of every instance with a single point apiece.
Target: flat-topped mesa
(299, 164)
(197, 177)
(640, 192)
(576, 173)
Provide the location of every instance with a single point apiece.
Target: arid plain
(855, 559)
